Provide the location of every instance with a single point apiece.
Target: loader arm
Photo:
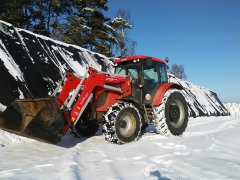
(85, 87)
(48, 119)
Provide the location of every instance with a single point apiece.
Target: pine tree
(47, 15)
(87, 27)
(79, 22)
(15, 12)
(41, 17)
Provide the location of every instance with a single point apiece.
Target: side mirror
(166, 59)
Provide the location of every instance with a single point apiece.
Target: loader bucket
(39, 119)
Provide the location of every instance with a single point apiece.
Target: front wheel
(85, 127)
(172, 114)
(123, 123)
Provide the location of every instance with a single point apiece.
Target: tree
(47, 15)
(87, 27)
(178, 71)
(79, 22)
(41, 17)
(15, 12)
(121, 24)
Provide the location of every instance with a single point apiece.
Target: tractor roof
(131, 58)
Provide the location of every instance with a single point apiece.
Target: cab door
(151, 80)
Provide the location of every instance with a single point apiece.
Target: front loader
(138, 93)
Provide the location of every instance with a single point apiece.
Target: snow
(91, 61)
(21, 96)
(55, 53)
(201, 101)
(110, 27)
(23, 44)
(59, 42)
(2, 107)
(233, 108)
(121, 21)
(2, 28)
(105, 59)
(10, 64)
(67, 56)
(89, 9)
(209, 149)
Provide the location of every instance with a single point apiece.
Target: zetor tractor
(124, 103)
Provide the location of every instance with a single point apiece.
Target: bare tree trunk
(49, 16)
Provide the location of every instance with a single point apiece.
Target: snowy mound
(31, 65)
(233, 108)
(201, 101)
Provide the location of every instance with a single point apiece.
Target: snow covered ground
(209, 149)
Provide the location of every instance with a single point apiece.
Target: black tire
(123, 123)
(85, 128)
(172, 114)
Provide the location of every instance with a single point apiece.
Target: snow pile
(201, 101)
(32, 64)
(233, 108)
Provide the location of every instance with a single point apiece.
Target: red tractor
(138, 93)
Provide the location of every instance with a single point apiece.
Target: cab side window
(163, 74)
(151, 74)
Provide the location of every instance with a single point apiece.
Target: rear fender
(157, 100)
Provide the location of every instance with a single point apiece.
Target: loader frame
(84, 88)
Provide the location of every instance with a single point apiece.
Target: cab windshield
(152, 73)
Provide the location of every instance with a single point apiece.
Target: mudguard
(157, 100)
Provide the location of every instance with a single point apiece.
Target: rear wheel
(123, 123)
(172, 114)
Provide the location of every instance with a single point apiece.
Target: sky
(202, 35)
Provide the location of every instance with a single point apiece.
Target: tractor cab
(146, 74)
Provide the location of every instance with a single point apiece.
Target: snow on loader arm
(39, 119)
